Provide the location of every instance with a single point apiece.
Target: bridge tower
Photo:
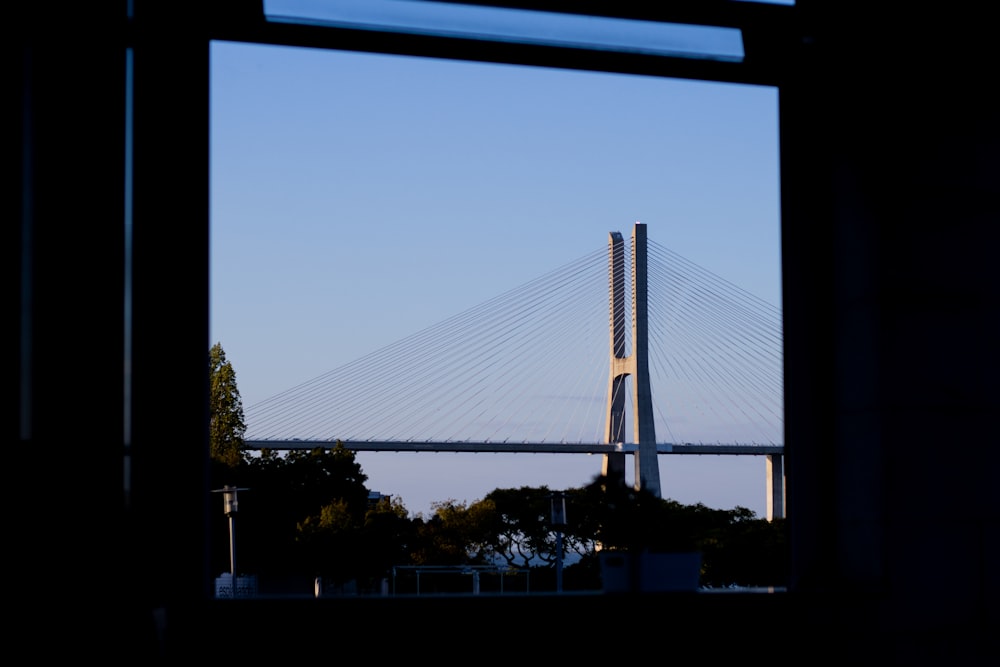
(647, 468)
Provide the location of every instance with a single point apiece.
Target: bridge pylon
(636, 365)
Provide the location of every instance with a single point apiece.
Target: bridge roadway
(514, 447)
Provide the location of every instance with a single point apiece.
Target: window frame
(106, 392)
(767, 35)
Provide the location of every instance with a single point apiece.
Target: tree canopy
(309, 514)
(226, 422)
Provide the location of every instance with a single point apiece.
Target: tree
(299, 507)
(386, 539)
(522, 530)
(226, 424)
(457, 534)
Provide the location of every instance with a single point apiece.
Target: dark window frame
(137, 300)
(769, 41)
(101, 392)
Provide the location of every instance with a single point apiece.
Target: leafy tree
(226, 423)
(623, 518)
(329, 542)
(307, 514)
(386, 539)
(747, 552)
(299, 515)
(457, 534)
(522, 532)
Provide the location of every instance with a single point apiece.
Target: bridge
(702, 353)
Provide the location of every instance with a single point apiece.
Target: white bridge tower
(647, 467)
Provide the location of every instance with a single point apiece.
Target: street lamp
(230, 507)
(558, 500)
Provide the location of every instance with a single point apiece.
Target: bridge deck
(515, 447)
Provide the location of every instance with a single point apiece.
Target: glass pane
(359, 199)
(511, 25)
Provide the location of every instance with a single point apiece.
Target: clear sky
(357, 199)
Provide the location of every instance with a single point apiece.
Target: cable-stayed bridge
(574, 361)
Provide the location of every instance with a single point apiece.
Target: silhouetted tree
(299, 510)
(746, 552)
(523, 535)
(226, 423)
(456, 534)
(386, 539)
(307, 514)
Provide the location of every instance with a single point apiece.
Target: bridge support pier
(775, 486)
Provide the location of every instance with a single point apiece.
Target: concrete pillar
(647, 464)
(614, 464)
(775, 487)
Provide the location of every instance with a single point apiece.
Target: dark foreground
(710, 628)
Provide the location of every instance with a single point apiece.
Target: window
(359, 199)
(163, 563)
(855, 283)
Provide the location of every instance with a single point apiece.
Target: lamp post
(230, 507)
(558, 500)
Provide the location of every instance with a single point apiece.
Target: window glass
(357, 199)
(495, 23)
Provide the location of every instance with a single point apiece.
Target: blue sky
(357, 199)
